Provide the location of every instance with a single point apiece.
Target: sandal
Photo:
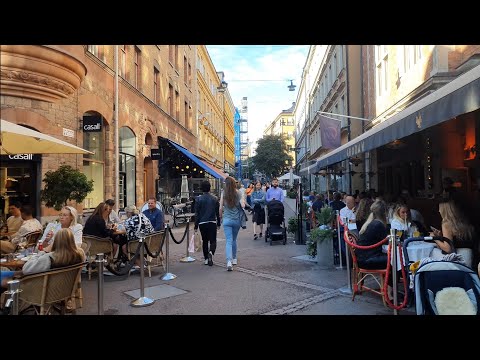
(255, 237)
(260, 235)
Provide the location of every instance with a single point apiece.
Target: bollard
(142, 300)
(13, 290)
(100, 260)
(168, 275)
(339, 239)
(187, 257)
(393, 240)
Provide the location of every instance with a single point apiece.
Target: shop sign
(28, 157)
(156, 154)
(68, 133)
(92, 123)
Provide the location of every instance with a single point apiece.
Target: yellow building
(214, 113)
(284, 124)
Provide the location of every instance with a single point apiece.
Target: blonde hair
(378, 212)
(64, 249)
(73, 214)
(454, 219)
(396, 213)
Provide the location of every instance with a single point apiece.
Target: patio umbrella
(16, 139)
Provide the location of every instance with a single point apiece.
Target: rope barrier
(128, 265)
(183, 237)
(159, 251)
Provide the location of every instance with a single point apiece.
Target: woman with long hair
(64, 252)
(258, 201)
(373, 230)
(454, 227)
(231, 204)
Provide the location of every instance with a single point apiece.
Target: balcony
(40, 72)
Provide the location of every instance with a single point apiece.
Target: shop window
(94, 164)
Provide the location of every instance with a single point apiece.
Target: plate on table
(3, 260)
(25, 258)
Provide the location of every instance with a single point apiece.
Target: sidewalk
(267, 280)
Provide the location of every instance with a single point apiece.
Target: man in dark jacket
(207, 218)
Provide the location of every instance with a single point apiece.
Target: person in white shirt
(68, 219)
(30, 224)
(349, 212)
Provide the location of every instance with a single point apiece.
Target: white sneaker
(229, 266)
(234, 261)
(205, 262)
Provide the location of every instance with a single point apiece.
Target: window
(127, 170)
(189, 74)
(176, 57)
(185, 69)
(94, 164)
(171, 52)
(170, 99)
(177, 106)
(156, 86)
(381, 73)
(137, 65)
(93, 49)
(185, 115)
(123, 61)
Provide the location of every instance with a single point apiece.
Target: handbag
(243, 217)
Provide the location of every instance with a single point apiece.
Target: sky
(262, 73)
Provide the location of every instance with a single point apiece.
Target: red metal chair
(359, 274)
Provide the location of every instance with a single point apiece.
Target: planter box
(325, 253)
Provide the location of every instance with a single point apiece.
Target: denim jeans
(231, 228)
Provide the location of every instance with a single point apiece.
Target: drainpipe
(115, 141)
(349, 135)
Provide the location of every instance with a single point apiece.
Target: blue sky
(273, 65)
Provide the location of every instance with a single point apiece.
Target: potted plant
(320, 244)
(66, 183)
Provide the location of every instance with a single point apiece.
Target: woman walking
(231, 205)
(258, 201)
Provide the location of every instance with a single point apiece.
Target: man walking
(275, 193)
(207, 218)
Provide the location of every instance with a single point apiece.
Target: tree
(272, 156)
(66, 183)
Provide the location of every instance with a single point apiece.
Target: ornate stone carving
(38, 72)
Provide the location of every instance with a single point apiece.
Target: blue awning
(196, 160)
(460, 96)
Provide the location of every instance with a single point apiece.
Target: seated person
(373, 231)
(154, 214)
(64, 252)
(68, 219)
(30, 224)
(454, 227)
(137, 225)
(14, 221)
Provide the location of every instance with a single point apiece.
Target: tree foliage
(272, 156)
(66, 183)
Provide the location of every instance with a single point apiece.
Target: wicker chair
(96, 245)
(154, 242)
(53, 287)
(32, 238)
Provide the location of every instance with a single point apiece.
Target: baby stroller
(276, 230)
(445, 286)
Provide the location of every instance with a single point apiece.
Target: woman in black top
(373, 231)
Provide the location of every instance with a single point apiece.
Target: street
(268, 280)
